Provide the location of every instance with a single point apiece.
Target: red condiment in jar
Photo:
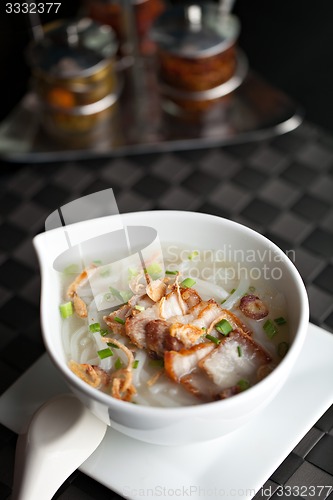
(197, 53)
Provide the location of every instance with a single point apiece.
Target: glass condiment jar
(73, 68)
(111, 12)
(197, 54)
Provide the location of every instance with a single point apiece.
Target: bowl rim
(201, 407)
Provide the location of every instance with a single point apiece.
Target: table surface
(281, 186)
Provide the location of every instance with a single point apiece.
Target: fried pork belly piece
(178, 320)
(159, 339)
(135, 326)
(172, 304)
(116, 320)
(182, 363)
(188, 335)
(168, 306)
(215, 371)
(190, 297)
(200, 320)
(237, 357)
(182, 367)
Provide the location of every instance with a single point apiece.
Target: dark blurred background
(288, 42)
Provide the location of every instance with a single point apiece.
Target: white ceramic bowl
(177, 425)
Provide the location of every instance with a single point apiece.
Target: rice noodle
(207, 290)
(241, 289)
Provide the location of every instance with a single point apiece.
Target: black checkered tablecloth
(282, 187)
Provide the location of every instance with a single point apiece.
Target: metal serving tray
(251, 110)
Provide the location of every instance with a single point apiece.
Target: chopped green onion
(111, 344)
(239, 350)
(282, 349)
(121, 295)
(103, 332)
(243, 384)
(116, 294)
(105, 272)
(118, 364)
(119, 320)
(72, 269)
(126, 295)
(280, 321)
(157, 363)
(232, 291)
(135, 364)
(154, 270)
(203, 328)
(105, 353)
(193, 255)
(132, 272)
(270, 329)
(223, 301)
(95, 327)
(187, 283)
(139, 308)
(173, 273)
(66, 309)
(213, 339)
(223, 327)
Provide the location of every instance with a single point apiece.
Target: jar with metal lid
(111, 12)
(73, 68)
(197, 53)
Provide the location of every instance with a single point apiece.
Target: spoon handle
(61, 436)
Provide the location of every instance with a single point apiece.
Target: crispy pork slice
(190, 297)
(182, 367)
(168, 306)
(125, 311)
(182, 363)
(172, 304)
(188, 335)
(135, 326)
(116, 320)
(238, 357)
(207, 315)
(159, 340)
(194, 315)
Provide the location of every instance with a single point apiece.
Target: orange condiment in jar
(74, 74)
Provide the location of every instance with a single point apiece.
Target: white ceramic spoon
(62, 434)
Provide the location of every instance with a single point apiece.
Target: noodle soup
(198, 329)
